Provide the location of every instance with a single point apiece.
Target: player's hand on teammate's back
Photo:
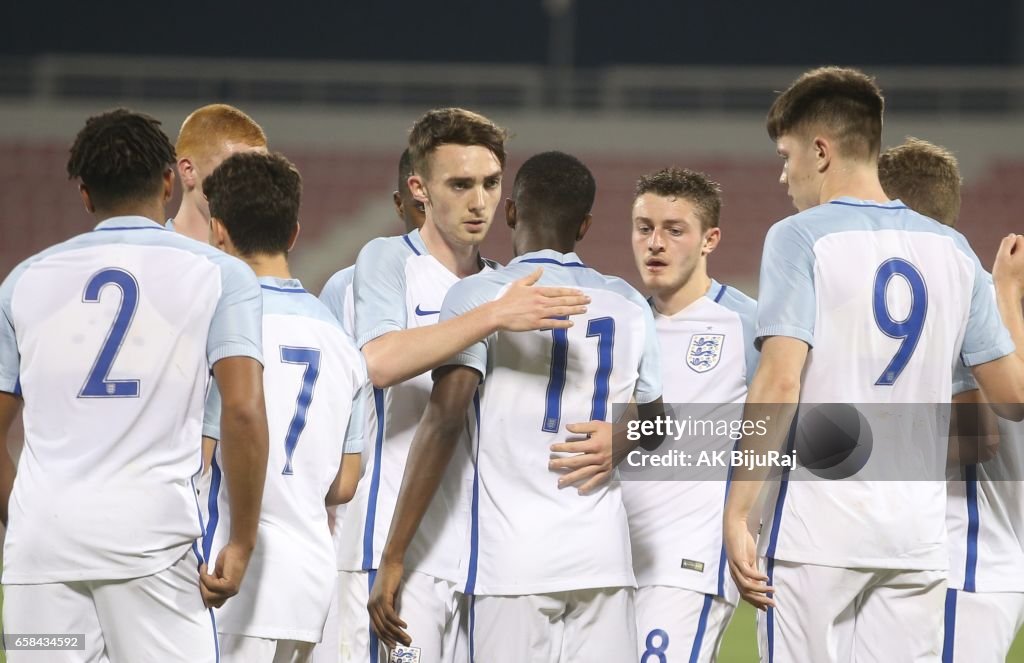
(227, 575)
(526, 307)
(741, 551)
(592, 463)
(383, 606)
(1008, 269)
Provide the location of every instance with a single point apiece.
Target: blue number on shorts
(604, 330)
(311, 358)
(655, 652)
(96, 384)
(909, 329)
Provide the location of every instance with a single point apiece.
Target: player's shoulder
(592, 278)
(733, 298)
(340, 280)
(385, 252)
(287, 297)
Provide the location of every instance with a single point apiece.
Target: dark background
(605, 32)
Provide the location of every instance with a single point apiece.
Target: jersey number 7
(310, 357)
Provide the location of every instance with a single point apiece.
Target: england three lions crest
(704, 352)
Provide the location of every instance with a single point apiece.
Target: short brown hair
(698, 188)
(846, 103)
(923, 175)
(453, 126)
(205, 128)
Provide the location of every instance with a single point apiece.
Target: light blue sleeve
(379, 290)
(648, 383)
(356, 432)
(986, 338)
(10, 358)
(333, 294)
(786, 305)
(211, 414)
(237, 326)
(463, 297)
(963, 380)
(748, 320)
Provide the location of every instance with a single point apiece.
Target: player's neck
(189, 220)
(461, 260)
(275, 266)
(154, 212)
(670, 303)
(855, 181)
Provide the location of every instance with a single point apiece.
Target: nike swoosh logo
(420, 311)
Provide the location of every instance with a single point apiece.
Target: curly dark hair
(120, 156)
(256, 196)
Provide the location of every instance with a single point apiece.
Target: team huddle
(423, 464)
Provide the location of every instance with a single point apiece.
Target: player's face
(799, 171)
(461, 192)
(668, 242)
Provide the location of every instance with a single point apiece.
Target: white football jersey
(109, 337)
(337, 297)
(985, 512)
(886, 299)
(314, 383)
(675, 526)
(527, 536)
(399, 285)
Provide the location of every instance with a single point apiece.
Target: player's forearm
(244, 451)
(344, 486)
(399, 355)
(1008, 299)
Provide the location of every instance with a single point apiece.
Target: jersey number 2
(310, 357)
(907, 330)
(604, 330)
(96, 384)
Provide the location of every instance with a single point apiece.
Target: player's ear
(584, 226)
(418, 188)
(219, 235)
(86, 199)
(397, 199)
(294, 237)
(510, 213)
(823, 152)
(168, 184)
(187, 171)
(711, 239)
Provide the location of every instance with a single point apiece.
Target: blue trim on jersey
(374, 645)
(100, 230)
(702, 625)
(199, 512)
(411, 245)
(17, 386)
(842, 202)
(198, 554)
(552, 261)
(721, 292)
(270, 287)
(371, 506)
(213, 619)
(773, 539)
(212, 507)
(721, 556)
(472, 625)
(949, 621)
(770, 616)
(973, 524)
(474, 531)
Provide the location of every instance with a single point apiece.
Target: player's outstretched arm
(604, 447)
(772, 397)
(345, 482)
(244, 446)
(399, 355)
(431, 451)
(1002, 381)
(10, 407)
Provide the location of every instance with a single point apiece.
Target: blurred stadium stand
(344, 126)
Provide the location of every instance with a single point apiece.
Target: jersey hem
(97, 575)
(903, 564)
(552, 586)
(235, 349)
(377, 332)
